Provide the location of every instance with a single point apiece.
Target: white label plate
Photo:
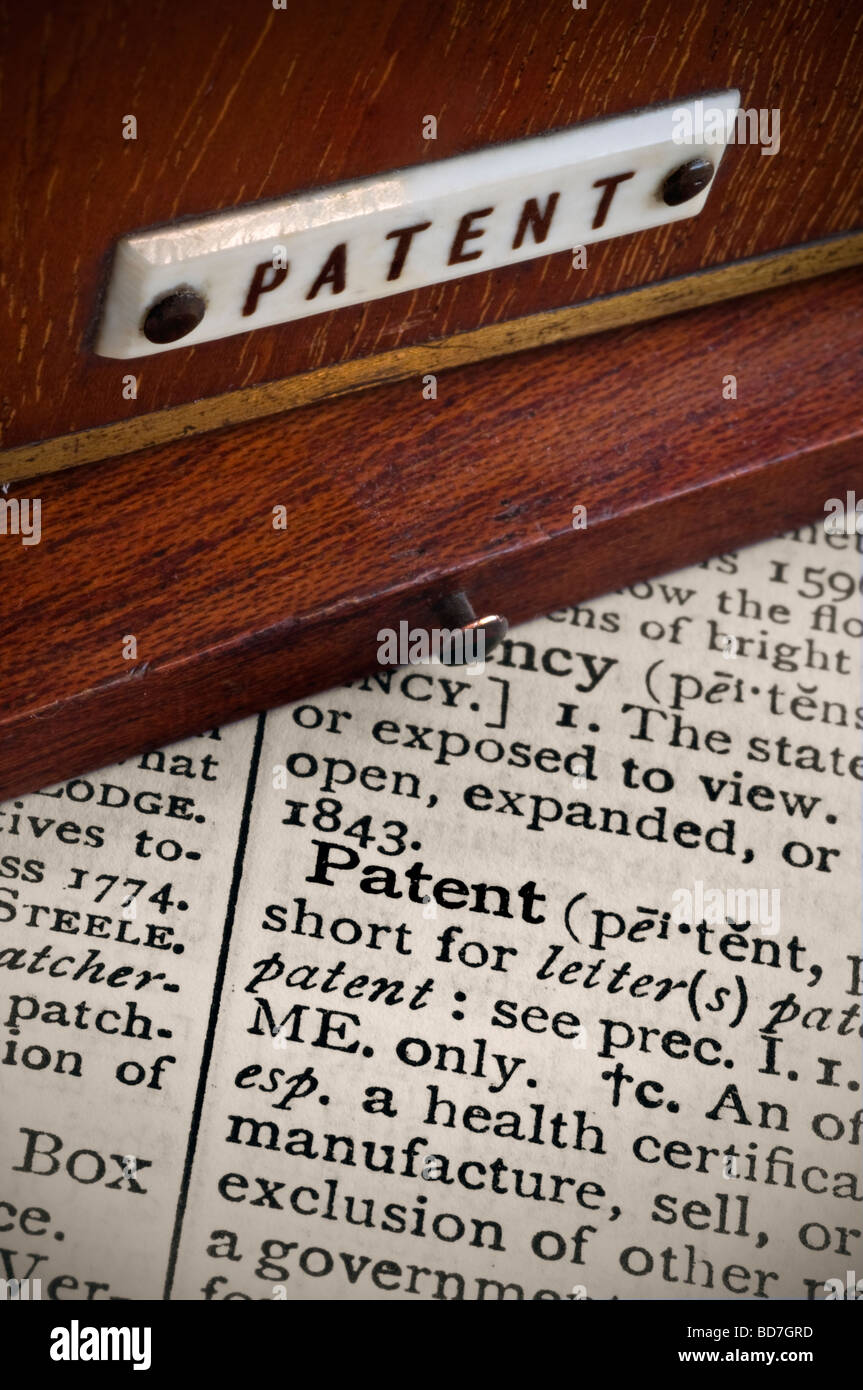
(281, 261)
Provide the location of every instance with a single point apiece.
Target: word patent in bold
(276, 262)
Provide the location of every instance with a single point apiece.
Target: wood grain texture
(239, 102)
(495, 340)
(393, 501)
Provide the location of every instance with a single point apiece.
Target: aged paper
(538, 983)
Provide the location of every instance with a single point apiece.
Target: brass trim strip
(703, 287)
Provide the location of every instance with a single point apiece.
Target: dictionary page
(541, 982)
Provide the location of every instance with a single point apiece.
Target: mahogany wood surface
(494, 340)
(393, 500)
(236, 101)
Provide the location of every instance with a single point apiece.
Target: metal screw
(457, 610)
(687, 181)
(174, 315)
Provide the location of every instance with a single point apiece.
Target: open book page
(542, 982)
